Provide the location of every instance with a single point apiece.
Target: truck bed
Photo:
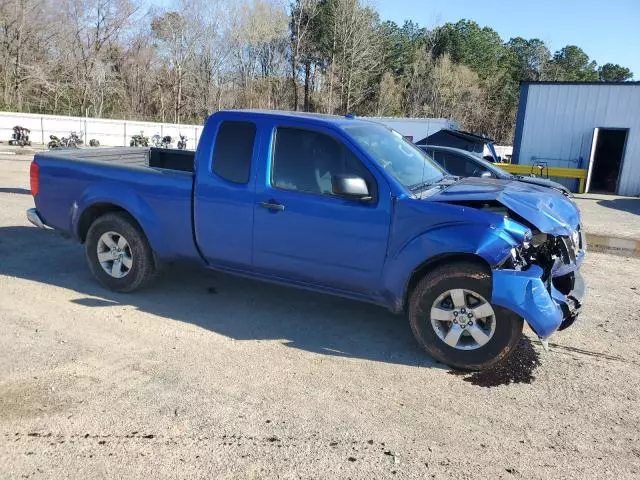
(154, 185)
(169, 159)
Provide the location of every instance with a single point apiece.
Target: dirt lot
(610, 215)
(208, 376)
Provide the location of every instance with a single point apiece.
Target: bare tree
(25, 32)
(178, 39)
(212, 53)
(94, 26)
(389, 97)
(355, 60)
(258, 37)
(186, 58)
(303, 13)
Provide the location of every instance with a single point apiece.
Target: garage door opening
(607, 152)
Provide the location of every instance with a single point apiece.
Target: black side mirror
(350, 186)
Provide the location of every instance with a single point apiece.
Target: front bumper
(571, 303)
(545, 310)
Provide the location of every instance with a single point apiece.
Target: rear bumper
(524, 293)
(34, 217)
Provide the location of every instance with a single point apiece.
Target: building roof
(468, 136)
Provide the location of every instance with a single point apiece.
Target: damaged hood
(543, 182)
(550, 211)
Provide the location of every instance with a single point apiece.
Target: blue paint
(361, 250)
(549, 211)
(524, 293)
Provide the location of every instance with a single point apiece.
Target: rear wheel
(118, 253)
(453, 319)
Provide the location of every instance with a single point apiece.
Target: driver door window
(305, 160)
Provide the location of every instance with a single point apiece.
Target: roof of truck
(320, 117)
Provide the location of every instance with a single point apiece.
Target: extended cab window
(233, 151)
(305, 160)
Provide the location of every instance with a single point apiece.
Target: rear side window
(233, 151)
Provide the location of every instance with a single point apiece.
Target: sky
(607, 30)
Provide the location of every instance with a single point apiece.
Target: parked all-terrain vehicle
(54, 142)
(20, 136)
(72, 141)
(161, 142)
(139, 140)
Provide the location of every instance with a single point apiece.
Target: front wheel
(453, 319)
(118, 253)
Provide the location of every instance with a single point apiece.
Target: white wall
(115, 133)
(559, 120)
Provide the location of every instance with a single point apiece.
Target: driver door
(302, 231)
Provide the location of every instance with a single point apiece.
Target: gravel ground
(208, 376)
(610, 215)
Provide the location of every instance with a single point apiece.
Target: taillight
(34, 175)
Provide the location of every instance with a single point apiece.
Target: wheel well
(438, 261)
(94, 212)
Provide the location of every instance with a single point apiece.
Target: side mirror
(486, 174)
(350, 186)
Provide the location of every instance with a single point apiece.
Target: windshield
(402, 159)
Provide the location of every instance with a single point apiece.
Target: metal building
(593, 126)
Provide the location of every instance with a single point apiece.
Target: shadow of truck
(237, 308)
(629, 205)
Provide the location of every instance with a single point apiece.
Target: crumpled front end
(535, 267)
(541, 282)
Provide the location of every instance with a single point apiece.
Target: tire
(137, 266)
(502, 328)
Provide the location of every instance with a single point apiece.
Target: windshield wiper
(423, 185)
(419, 186)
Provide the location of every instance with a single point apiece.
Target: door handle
(273, 206)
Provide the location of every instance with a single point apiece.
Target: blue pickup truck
(334, 204)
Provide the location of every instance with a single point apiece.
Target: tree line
(122, 59)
